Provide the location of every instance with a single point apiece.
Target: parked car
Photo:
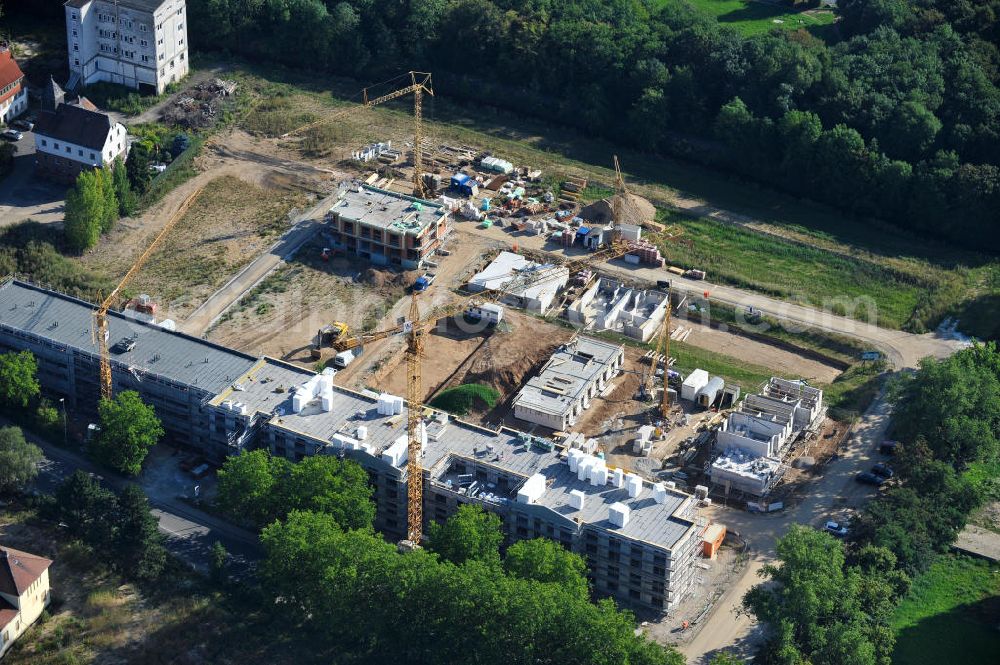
(836, 529)
(869, 478)
(12, 135)
(23, 125)
(883, 471)
(888, 447)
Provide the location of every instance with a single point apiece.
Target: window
(180, 11)
(76, 61)
(160, 41)
(142, 27)
(69, 150)
(92, 156)
(171, 64)
(79, 152)
(74, 33)
(44, 142)
(161, 58)
(76, 47)
(74, 16)
(55, 145)
(145, 58)
(143, 42)
(632, 593)
(180, 42)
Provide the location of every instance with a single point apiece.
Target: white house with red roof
(13, 92)
(24, 593)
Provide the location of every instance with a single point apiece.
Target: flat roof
(567, 375)
(265, 387)
(142, 5)
(172, 355)
(508, 265)
(387, 210)
(505, 449)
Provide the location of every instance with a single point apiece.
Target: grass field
(752, 18)
(950, 614)
(792, 270)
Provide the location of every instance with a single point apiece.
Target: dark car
(23, 125)
(11, 135)
(883, 471)
(888, 447)
(868, 478)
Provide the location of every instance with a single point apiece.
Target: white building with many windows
(138, 43)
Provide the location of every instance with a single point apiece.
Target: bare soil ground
(453, 358)
(248, 195)
(280, 317)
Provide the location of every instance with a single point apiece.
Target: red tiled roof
(9, 71)
(7, 613)
(19, 570)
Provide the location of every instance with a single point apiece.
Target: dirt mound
(383, 278)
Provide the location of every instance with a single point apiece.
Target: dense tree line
(899, 119)
(352, 592)
(829, 604)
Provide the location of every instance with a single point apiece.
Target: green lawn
(950, 614)
(752, 18)
(791, 270)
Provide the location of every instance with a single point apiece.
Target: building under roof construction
(576, 373)
(638, 539)
(387, 228)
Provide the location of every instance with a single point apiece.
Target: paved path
(302, 230)
(190, 533)
(833, 495)
(903, 349)
(23, 196)
(979, 542)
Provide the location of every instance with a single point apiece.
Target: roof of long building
(172, 355)
(382, 209)
(567, 375)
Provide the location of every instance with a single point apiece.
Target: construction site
(418, 270)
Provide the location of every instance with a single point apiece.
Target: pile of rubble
(198, 106)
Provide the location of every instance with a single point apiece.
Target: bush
(462, 399)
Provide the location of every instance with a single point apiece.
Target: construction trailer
(692, 383)
(639, 539)
(710, 392)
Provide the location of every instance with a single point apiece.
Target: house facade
(137, 43)
(24, 593)
(13, 92)
(76, 137)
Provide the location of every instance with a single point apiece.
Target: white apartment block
(138, 43)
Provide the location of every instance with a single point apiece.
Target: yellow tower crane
(100, 328)
(624, 213)
(420, 83)
(415, 328)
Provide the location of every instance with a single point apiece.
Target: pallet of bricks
(571, 189)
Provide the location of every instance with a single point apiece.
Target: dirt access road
(903, 349)
(829, 497)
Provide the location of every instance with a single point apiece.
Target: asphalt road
(23, 196)
(831, 497)
(190, 533)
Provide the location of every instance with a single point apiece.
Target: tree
(18, 460)
(106, 185)
(545, 560)
(248, 486)
(819, 608)
(85, 215)
(218, 562)
(139, 550)
(471, 533)
(127, 202)
(18, 378)
(86, 508)
(129, 428)
(954, 406)
(329, 485)
(137, 168)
